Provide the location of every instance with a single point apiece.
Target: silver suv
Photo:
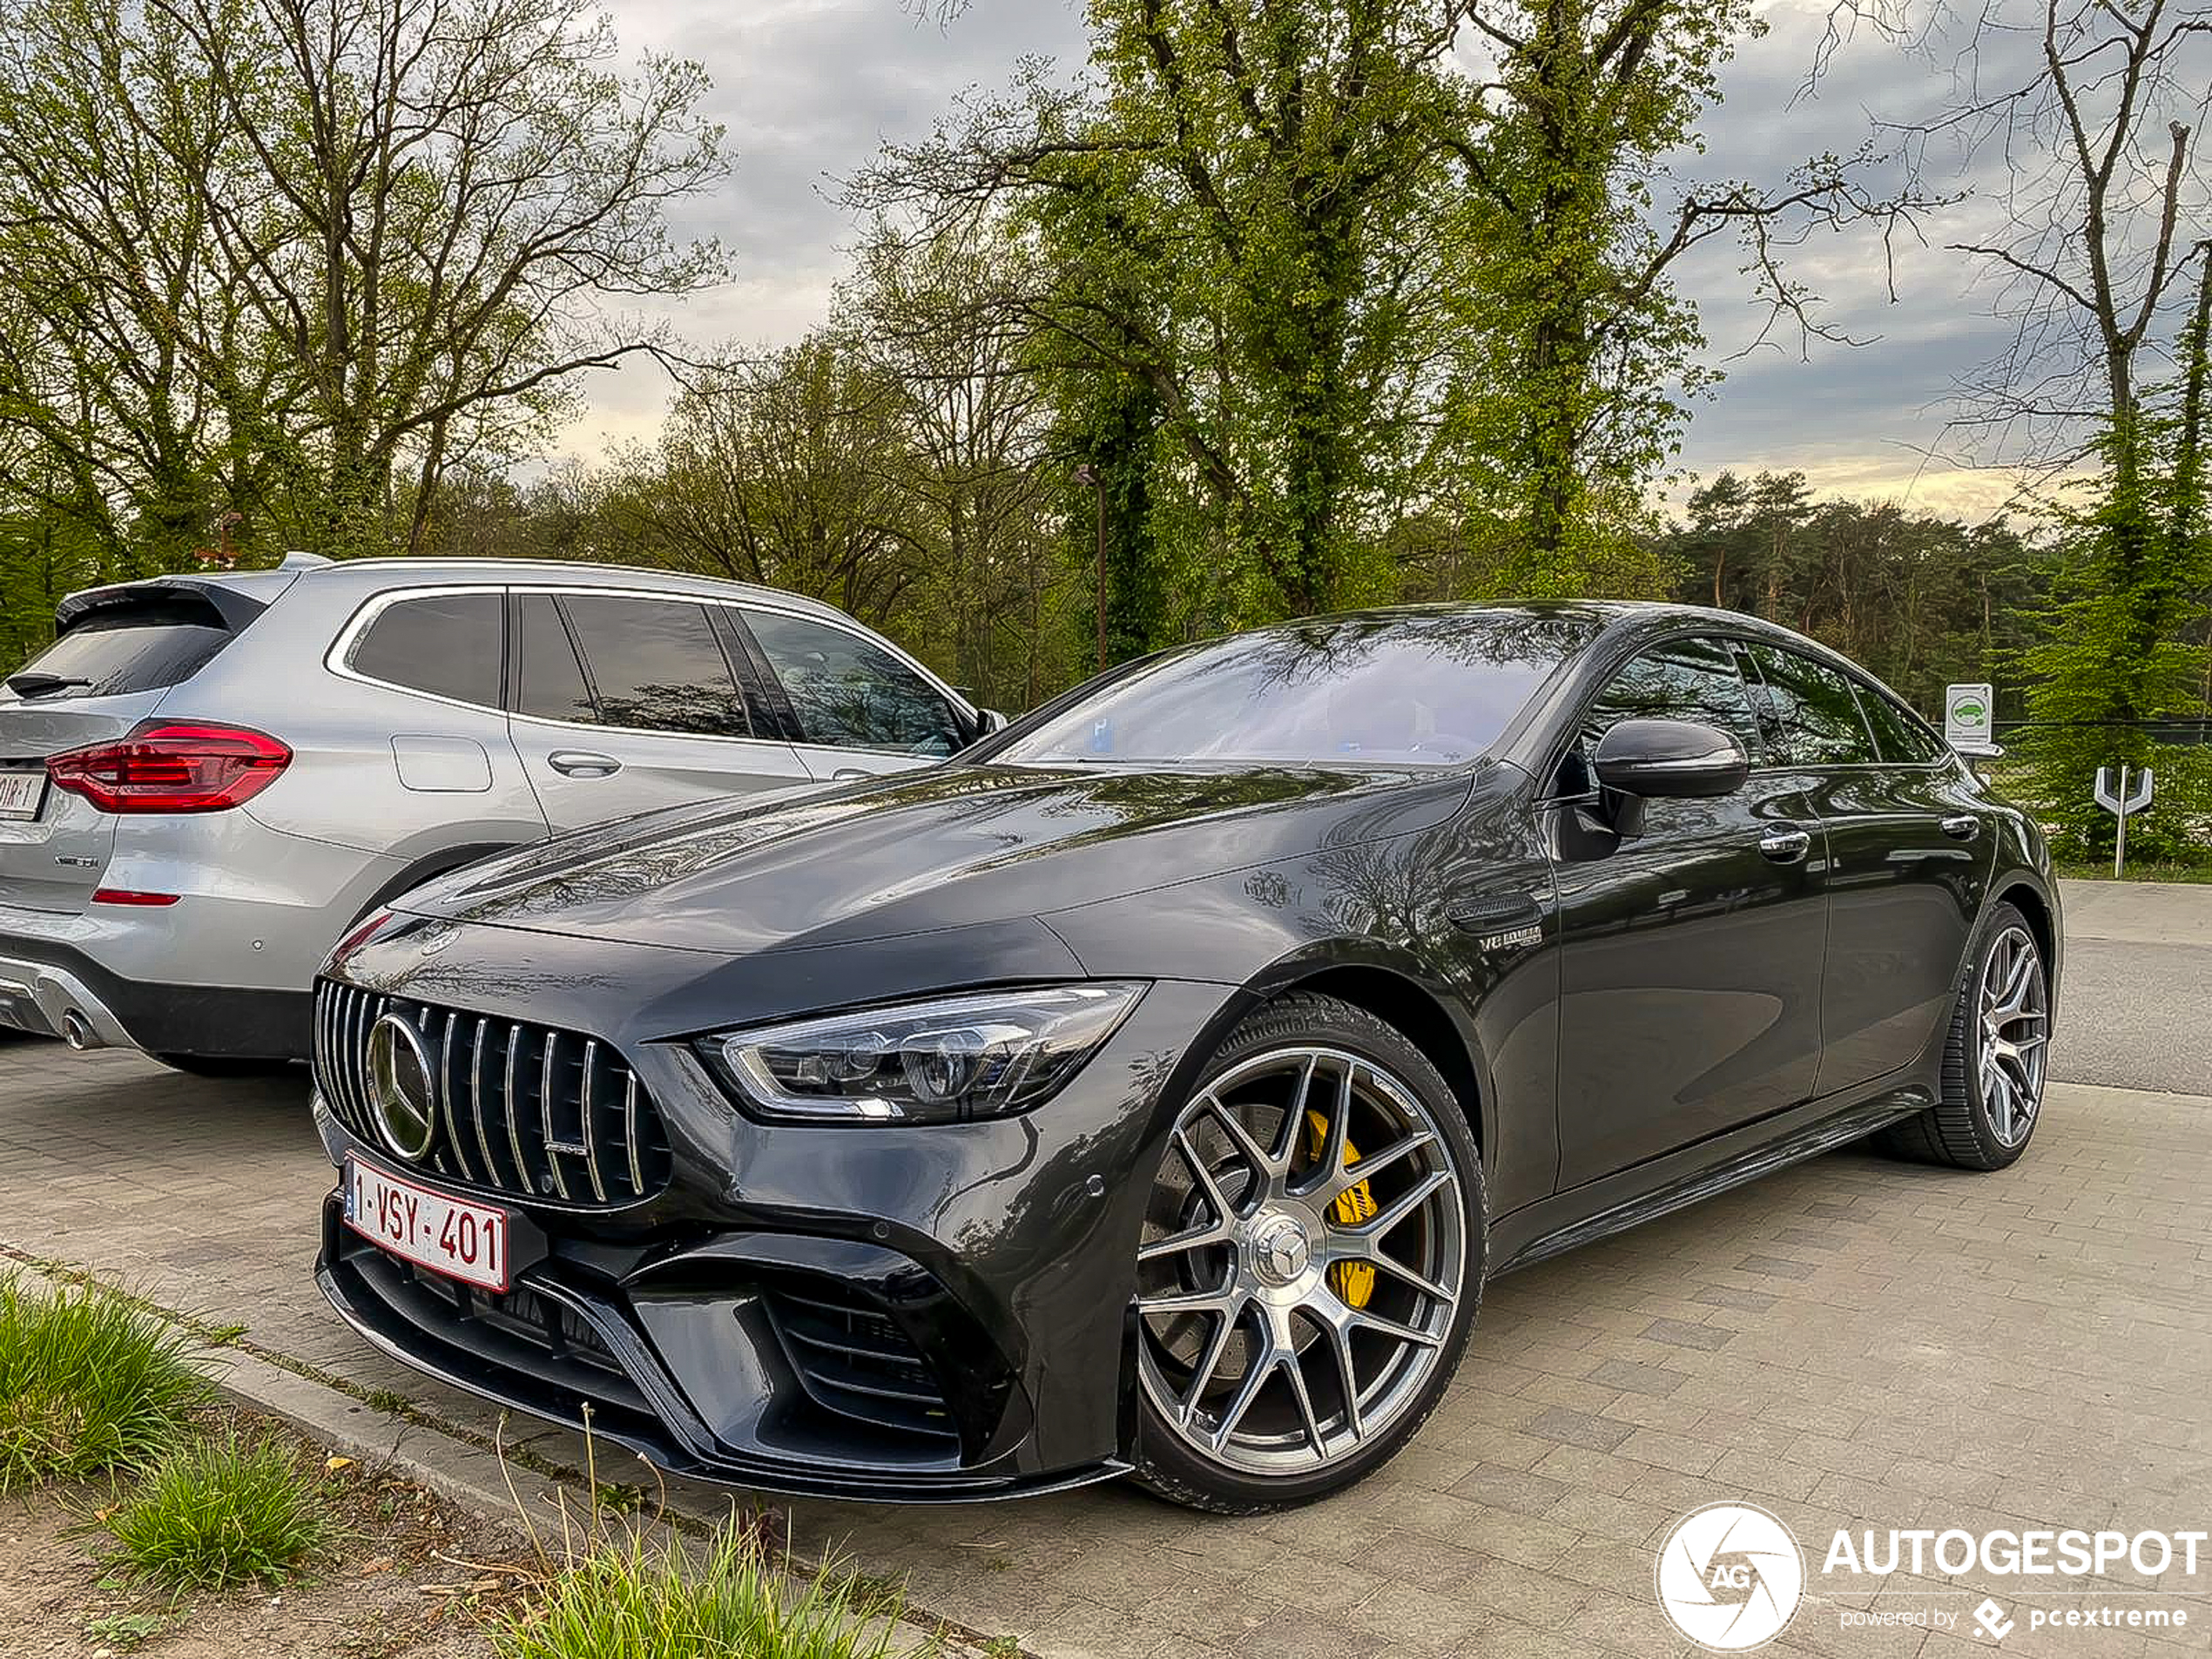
(206, 780)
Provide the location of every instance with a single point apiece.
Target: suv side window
(449, 644)
(1810, 713)
(1683, 679)
(652, 664)
(849, 694)
(552, 686)
(1902, 739)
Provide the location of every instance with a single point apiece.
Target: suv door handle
(849, 775)
(1785, 844)
(1965, 827)
(581, 763)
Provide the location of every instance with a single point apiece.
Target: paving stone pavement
(1852, 1344)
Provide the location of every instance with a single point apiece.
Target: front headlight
(989, 1054)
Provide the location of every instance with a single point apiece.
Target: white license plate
(22, 793)
(469, 1242)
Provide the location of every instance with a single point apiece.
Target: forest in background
(1285, 305)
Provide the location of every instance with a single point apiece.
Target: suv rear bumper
(58, 991)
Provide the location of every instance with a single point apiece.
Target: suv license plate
(22, 793)
(464, 1241)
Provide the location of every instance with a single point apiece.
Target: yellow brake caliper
(1353, 1281)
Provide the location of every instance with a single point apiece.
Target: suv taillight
(173, 766)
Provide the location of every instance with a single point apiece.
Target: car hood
(920, 850)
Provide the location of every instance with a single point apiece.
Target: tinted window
(851, 693)
(1685, 680)
(655, 665)
(1901, 740)
(449, 645)
(1397, 690)
(146, 645)
(552, 681)
(1811, 717)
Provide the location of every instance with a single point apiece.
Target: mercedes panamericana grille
(1152, 1088)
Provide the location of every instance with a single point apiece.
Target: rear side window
(1902, 740)
(553, 686)
(655, 665)
(449, 645)
(143, 645)
(1808, 711)
(1686, 679)
(850, 694)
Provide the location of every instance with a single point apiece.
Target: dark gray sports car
(1153, 1087)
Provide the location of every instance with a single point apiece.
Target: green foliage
(2125, 643)
(89, 1384)
(1589, 351)
(623, 1598)
(124, 1631)
(1922, 600)
(271, 270)
(222, 1513)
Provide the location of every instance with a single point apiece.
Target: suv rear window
(655, 665)
(449, 645)
(142, 643)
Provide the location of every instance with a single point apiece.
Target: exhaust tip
(76, 1031)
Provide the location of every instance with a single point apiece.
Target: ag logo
(1730, 1577)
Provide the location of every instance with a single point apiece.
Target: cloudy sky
(809, 88)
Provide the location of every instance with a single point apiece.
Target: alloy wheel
(1302, 1262)
(2014, 1034)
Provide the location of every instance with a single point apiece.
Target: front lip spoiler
(679, 1452)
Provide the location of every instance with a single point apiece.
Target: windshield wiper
(31, 683)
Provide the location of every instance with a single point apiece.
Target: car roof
(1608, 619)
(373, 574)
(443, 572)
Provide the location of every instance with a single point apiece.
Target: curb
(467, 1475)
(505, 1491)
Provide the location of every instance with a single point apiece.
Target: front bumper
(579, 1351)
(854, 1311)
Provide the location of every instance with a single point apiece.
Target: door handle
(581, 763)
(1965, 827)
(1786, 844)
(1495, 912)
(849, 775)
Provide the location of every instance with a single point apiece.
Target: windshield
(1385, 690)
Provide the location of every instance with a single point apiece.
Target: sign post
(2123, 800)
(1968, 720)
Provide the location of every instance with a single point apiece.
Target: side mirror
(1651, 760)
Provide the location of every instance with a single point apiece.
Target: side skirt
(1561, 1223)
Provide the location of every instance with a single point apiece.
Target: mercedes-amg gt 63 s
(1152, 1087)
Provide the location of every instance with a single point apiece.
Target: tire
(1992, 1098)
(1283, 1354)
(199, 1065)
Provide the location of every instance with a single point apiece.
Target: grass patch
(620, 1598)
(124, 1631)
(89, 1384)
(216, 1515)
